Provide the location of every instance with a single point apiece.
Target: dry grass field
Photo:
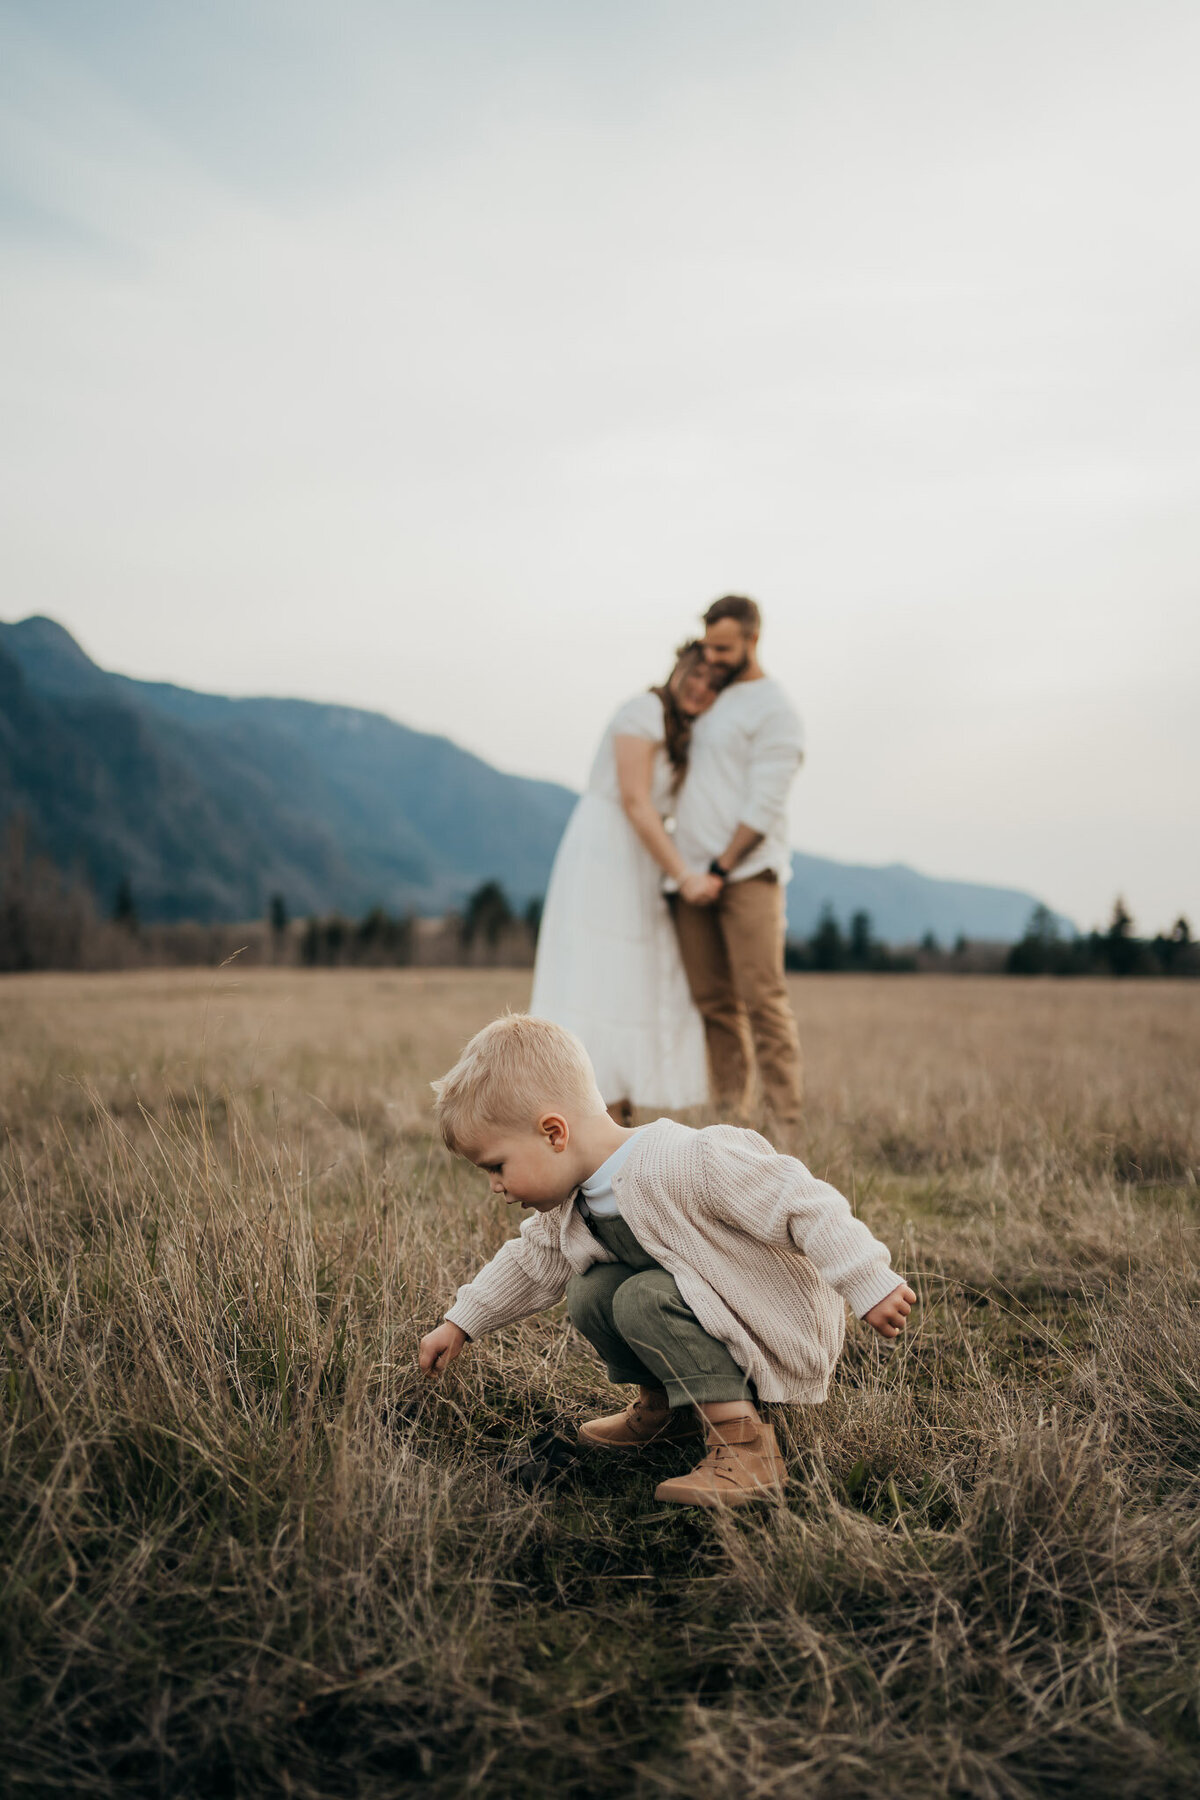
(244, 1552)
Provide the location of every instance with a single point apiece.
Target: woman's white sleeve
(641, 717)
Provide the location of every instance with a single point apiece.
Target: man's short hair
(511, 1072)
(735, 606)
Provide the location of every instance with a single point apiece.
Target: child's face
(533, 1168)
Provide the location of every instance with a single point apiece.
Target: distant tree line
(376, 941)
(830, 949)
(486, 931)
(51, 921)
(47, 921)
(1118, 951)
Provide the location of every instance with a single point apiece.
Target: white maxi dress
(608, 964)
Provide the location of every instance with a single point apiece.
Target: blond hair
(511, 1072)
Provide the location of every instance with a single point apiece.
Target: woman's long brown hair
(677, 732)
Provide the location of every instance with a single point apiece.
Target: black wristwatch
(714, 868)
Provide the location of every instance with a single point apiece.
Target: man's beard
(724, 673)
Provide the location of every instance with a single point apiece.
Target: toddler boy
(702, 1265)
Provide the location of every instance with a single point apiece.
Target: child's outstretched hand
(888, 1316)
(439, 1348)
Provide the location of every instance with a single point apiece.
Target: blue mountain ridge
(210, 805)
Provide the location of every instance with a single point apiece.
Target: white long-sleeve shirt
(762, 1251)
(744, 756)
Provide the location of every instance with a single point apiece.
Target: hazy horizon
(448, 360)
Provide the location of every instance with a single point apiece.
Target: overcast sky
(447, 358)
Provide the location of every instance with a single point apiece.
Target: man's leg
(726, 1027)
(751, 917)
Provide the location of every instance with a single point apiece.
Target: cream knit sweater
(761, 1251)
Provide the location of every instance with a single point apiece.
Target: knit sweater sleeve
(748, 1184)
(526, 1275)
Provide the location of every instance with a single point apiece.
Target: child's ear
(554, 1128)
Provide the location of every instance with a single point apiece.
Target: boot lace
(724, 1462)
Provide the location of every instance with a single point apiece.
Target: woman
(608, 966)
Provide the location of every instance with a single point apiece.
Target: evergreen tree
(1122, 949)
(1040, 951)
(124, 910)
(1173, 950)
(487, 914)
(860, 940)
(828, 945)
(379, 939)
(1042, 926)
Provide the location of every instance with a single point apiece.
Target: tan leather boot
(743, 1463)
(640, 1425)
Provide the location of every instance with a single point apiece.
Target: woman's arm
(635, 767)
(635, 772)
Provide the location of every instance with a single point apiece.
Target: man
(731, 819)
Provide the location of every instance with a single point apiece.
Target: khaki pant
(733, 954)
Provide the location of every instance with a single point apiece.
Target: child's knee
(579, 1304)
(641, 1299)
(589, 1300)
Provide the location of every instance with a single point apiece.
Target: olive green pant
(632, 1312)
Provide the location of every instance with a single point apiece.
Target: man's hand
(887, 1317)
(440, 1347)
(700, 890)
